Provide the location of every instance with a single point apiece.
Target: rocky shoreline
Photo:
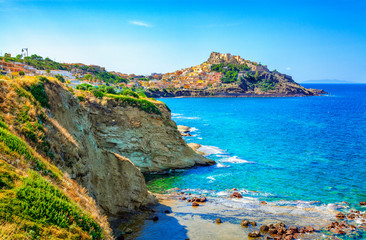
(185, 215)
(192, 215)
(210, 94)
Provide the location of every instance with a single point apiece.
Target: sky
(308, 40)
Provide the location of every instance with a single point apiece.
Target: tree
(256, 75)
(19, 56)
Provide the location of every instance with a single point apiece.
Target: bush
(2, 123)
(37, 90)
(60, 78)
(21, 73)
(129, 92)
(13, 144)
(85, 87)
(98, 93)
(81, 98)
(142, 104)
(41, 204)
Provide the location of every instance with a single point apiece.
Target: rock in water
(244, 223)
(254, 234)
(236, 195)
(196, 146)
(264, 228)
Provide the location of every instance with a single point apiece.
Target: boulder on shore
(254, 234)
(183, 129)
(196, 146)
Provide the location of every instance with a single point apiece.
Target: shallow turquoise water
(308, 148)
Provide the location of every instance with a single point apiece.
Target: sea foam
(234, 159)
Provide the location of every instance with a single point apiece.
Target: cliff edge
(103, 144)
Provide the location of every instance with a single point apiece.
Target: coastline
(244, 95)
(174, 218)
(181, 214)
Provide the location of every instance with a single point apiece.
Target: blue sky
(306, 39)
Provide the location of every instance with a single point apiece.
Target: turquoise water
(307, 148)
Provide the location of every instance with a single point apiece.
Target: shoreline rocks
(196, 146)
(236, 195)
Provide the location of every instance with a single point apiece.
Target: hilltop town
(221, 75)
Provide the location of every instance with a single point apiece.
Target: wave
(234, 159)
(220, 165)
(193, 129)
(210, 150)
(183, 117)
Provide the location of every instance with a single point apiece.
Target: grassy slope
(37, 201)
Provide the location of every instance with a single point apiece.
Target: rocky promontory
(226, 75)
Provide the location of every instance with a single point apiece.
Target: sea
(289, 151)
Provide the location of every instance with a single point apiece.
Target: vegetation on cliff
(127, 97)
(37, 200)
(229, 70)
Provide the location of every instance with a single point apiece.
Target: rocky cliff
(104, 144)
(108, 144)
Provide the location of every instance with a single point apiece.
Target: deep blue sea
(293, 148)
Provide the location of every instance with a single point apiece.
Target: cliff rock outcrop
(103, 145)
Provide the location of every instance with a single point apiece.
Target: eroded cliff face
(103, 145)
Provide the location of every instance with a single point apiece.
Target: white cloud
(138, 23)
(288, 68)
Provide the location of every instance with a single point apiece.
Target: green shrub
(85, 87)
(21, 73)
(13, 144)
(141, 93)
(37, 197)
(142, 104)
(71, 90)
(7, 176)
(98, 93)
(38, 92)
(129, 92)
(41, 204)
(3, 123)
(81, 98)
(60, 78)
(107, 89)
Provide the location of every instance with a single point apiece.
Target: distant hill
(327, 81)
(226, 75)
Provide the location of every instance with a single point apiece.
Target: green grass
(13, 144)
(40, 204)
(7, 177)
(3, 123)
(141, 104)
